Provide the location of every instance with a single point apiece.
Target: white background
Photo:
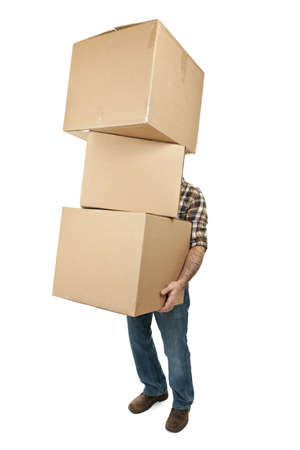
(67, 372)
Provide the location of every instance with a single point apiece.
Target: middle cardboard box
(132, 174)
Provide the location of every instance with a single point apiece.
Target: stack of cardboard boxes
(135, 95)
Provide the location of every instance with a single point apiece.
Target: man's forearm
(192, 264)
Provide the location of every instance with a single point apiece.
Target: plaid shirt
(192, 207)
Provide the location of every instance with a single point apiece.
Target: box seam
(152, 71)
(140, 267)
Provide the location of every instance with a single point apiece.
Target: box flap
(118, 28)
(121, 27)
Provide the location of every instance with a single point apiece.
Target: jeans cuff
(181, 406)
(149, 391)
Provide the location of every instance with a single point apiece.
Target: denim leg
(145, 356)
(173, 327)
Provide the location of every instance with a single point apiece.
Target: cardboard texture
(135, 81)
(129, 174)
(118, 261)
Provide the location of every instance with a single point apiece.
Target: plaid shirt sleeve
(192, 207)
(197, 215)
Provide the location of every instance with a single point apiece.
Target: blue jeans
(173, 328)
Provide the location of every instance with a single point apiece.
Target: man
(172, 321)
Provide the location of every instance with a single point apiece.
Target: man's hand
(174, 289)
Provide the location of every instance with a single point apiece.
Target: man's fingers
(165, 309)
(168, 306)
(166, 290)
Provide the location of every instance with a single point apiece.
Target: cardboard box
(137, 81)
(118, 261)
(129, 174)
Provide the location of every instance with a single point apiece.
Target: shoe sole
(177, 431)
(148, 407)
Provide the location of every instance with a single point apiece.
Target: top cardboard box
(136, 81)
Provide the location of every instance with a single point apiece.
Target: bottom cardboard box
(119, 261)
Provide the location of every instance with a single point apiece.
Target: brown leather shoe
(177, 420)
(143, 402)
